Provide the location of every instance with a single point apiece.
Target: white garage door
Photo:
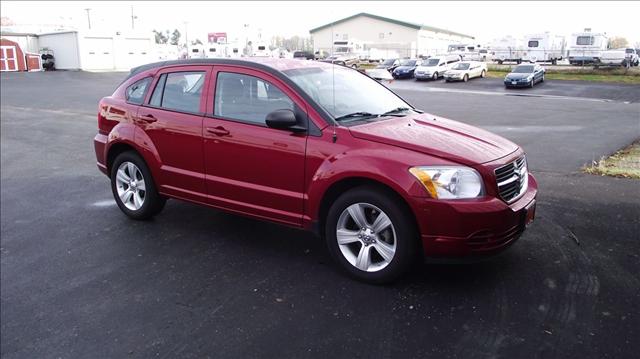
(138, 52)
(99, 53)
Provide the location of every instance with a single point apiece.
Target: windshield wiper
(355, 114)
(395, 111)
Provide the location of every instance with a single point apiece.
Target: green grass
(624, 163)
(605, 74)
(625, 79)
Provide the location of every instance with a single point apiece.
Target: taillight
(102, 119)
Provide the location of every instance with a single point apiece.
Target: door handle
(218, 131)
(148, 118)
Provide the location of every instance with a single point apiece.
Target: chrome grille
(512, 179)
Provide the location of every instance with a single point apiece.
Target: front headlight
(530, 78)
(449, 182)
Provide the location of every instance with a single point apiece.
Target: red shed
(11, 56)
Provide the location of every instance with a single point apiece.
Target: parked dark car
(406, 69)
(313, 146)
(389, 64)
(524, 76)
(307, 55)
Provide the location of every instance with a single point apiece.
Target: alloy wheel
(366, 237)
(130, 186)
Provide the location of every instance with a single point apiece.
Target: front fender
(384, 164)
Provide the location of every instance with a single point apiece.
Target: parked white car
(465, 70)
(435, 67)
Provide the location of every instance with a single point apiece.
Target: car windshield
(523, 70)
(461, 66)
(432, 62)
(408, 63)
(342, 91)
(389, 62)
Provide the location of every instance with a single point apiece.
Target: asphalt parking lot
(78, 279)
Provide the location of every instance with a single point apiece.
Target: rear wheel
(133, 187)
(483, 74)
(371, 235)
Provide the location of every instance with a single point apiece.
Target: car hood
(438, 137)
(517, 76)
(404, 68)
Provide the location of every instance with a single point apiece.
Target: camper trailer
(214, 50)
(586, 47)
(543, 48)
(196, 52)
(261, 49)
(507, 49)
(465, 51)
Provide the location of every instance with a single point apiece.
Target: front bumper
(423, 75)
(470, 228)
(518, 83)
(403, 75)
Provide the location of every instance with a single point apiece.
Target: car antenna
(333, 83)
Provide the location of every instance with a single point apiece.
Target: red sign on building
(217, 37)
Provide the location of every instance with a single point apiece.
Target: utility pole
(88, 17)
(133, 17)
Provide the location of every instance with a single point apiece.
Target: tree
(175, 37)
(160, 37)
(617, 42)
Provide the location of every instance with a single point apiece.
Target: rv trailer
(543, 48)
(586, 47)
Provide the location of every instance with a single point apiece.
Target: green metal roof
(393, 21)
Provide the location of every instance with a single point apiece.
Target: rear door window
(179, 91)
(247, 98)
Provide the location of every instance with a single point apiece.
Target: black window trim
(144, 95)
(149, 105)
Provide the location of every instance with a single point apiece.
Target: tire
(518, 61)
(399, 239)
(435, 76)
(542, 79)
(483, 74)
(533, 82)
(554, 62)
(499, 62)
(465, 78)
(152, 201)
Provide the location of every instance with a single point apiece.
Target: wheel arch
(343, 185)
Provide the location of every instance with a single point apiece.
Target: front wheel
(370, 234)
(542, 79)
(133, 187)
(465, 78)
(435, 76)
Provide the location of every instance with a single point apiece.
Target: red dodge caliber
(316, 146)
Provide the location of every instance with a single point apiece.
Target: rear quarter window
(135, 93)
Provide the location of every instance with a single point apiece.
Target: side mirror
(284, 120)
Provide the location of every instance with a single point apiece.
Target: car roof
(264, 63)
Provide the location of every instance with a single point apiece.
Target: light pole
(88, 17)
(133, 17)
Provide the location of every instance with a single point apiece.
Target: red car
(315, 146)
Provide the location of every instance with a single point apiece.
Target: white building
(91, 50)
(394, 38)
